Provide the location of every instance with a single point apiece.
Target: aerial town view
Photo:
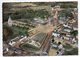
(40, 28)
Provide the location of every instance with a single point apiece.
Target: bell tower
(9, 21)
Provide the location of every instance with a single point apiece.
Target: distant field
(48, 8)
(24, 4)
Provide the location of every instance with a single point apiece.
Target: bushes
(20, 30)
(66, 14)
(67, 46)
(7, 32)
(72, 52)
(74, 33)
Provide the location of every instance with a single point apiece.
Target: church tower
(9, 21)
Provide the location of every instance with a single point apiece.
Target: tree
(72, 52)
(74, 33)
(52, 40)
(62, 34)
(7, 31)
(66, 14)
(6, 11)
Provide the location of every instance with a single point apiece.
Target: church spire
(9, 21)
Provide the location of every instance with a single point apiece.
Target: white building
(9, 21)
(55, 34)
(75, 28)
(67, 30)
(66, 25)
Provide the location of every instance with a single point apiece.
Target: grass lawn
(29, 47)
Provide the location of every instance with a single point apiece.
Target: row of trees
(27, 14)
(74, 33)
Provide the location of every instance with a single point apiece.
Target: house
(39, 21)
(66, 25)
(75, 28)
(67, 29)
(55, 34)
(12, 43)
